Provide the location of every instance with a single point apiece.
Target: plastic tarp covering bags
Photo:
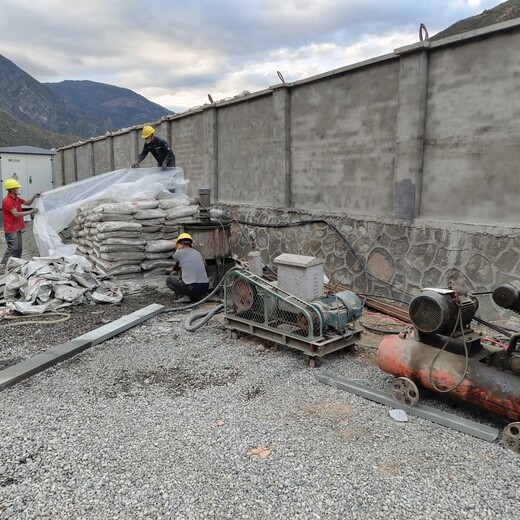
(57, 208)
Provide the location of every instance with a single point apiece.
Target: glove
(34, 211)
(135, 165)
(37, 195)
(164, 166)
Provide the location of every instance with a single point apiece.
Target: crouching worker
(193, 283)
(13, 215)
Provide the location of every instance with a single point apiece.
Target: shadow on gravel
(175, 380)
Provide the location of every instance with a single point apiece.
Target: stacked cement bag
(126, 238)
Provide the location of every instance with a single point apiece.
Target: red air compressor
(445, 355)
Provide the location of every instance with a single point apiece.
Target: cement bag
(157, 271)
(102, 217)
(124, 208)
(154, 235)
(151, 229)
(113, 248)
(27, 307)
(154, 223)
(159, 246)
(145, 204)
(169, 236)
(170, 227)
(158, 256)
(114, 257)
(181, 211)
(68, 293)
(13, 284)
(149, 214)
(115, 234)
(124, 269)
(123, 242)
(181, 200)
(108, 266)
(105, 227)
(37, 289)
(153, 264)
(107, 295)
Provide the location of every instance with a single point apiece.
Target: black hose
(203, 318)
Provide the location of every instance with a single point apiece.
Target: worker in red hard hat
(13, 215)
(193, 283)
(158, 147)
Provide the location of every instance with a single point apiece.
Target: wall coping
(459, 38)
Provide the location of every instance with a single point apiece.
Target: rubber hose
(203, 318)
(64, 317)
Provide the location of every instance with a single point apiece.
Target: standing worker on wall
(13, 220)
(158, 147)
(193, 283)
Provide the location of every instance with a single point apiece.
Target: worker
(13, 216)
(193, 283)
(158, 147)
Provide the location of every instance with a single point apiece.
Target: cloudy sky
(176, 52)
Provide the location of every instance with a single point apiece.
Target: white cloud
(175, 53)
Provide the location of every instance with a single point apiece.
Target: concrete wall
(343, 138)
(472, 148)
(392, 147)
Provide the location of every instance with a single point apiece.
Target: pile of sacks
(51, 283)
(127, 238)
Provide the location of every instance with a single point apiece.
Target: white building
(32, 167)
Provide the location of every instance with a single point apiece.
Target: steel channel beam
(460, 424)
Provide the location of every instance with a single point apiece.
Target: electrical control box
(301, 276)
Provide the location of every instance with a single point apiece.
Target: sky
(176, 52)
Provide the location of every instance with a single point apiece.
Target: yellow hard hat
(184, 236)
(147, 132)
(11, 184)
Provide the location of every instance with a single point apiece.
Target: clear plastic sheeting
(57, 208)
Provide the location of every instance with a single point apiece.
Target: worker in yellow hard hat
(13, 214)
(193, 283)
(158, 147)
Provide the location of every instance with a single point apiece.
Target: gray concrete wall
(472, 149)
(343, 138)
(245, 155)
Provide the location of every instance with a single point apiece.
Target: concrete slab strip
(40, 362)
(460, 424)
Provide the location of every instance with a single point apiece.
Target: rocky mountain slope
(56, 114)
(501, 13)
(18, 133)
(116, 107)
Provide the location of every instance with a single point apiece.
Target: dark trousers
(195, 291)
(14, 246)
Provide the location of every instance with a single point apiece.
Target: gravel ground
(159, 422)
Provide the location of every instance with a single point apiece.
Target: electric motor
(437, 311)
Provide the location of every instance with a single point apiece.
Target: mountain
(117, 107)
(29, 101)
(17, 133)
(501, 13)
(61, 113)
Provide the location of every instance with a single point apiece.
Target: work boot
(184, 299)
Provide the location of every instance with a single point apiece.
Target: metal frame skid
(258, 307)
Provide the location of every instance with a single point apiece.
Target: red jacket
(12, 224)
